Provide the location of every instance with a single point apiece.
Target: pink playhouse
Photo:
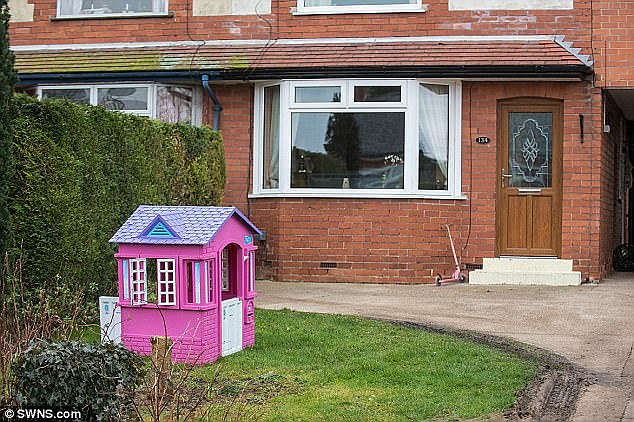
(187, 273)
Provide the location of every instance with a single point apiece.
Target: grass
(338, 368)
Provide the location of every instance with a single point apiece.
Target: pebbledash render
(355, 130)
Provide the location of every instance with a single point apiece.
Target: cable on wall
(466, 243)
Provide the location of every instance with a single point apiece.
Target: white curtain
(272, 137)
(433, 123)
(159, 6)
(70, 7)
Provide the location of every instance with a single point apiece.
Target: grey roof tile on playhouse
(176, 225)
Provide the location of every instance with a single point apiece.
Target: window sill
(338, 10)
(113, 16)
(360, 195)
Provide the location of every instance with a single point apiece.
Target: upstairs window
(357, 6)
(115, 8)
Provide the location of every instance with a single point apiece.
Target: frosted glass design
(530, 150)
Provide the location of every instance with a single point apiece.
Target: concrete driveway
(591, 325)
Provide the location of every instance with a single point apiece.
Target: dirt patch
(551, 396)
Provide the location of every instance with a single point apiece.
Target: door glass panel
(530, 150)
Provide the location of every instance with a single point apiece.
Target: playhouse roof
(176, 225)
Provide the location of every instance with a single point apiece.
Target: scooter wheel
(437, 279)
(462, 278)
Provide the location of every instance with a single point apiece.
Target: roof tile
(287, 56)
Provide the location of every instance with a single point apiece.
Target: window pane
(271, 168)
(433, 144)
(75, 95)
(318, 3)
(377, 94)
(318, 94)
(174, 104)
(105, 7)
(124, 98)
(530, 149)
(348, 150)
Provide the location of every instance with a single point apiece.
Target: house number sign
(482, 140)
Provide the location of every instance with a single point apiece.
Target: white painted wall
(21, 11)
(230, 7)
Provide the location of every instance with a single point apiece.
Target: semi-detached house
(356, 129)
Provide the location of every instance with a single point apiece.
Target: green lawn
(335, 368)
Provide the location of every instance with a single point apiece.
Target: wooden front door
(530, 135)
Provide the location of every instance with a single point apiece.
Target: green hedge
(80, 171)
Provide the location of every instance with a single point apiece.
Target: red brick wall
(402, 240)
(437, 21)
(613, 42)
(610, 228)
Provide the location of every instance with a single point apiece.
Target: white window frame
(59, 14)
(309, 84)
(409, 105)
(169, 282)
(138, 285)
(302, 9)
(152, 109)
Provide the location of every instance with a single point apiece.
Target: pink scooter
(456, 275)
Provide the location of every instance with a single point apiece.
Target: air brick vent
(327, 265)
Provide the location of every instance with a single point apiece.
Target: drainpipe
(217, 108)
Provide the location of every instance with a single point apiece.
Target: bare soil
(551, 396)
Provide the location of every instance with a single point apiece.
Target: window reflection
(360, 150)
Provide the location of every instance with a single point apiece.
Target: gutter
(146, 76)
(506, 72)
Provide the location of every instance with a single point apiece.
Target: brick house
(354, 129)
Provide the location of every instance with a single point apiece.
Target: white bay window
(358, 138)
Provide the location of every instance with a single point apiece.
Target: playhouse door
(529, 177)
(231, 326)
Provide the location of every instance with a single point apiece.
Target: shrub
(80, 171)
(97, 379)
(7, 80)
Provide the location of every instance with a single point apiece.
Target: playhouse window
(152, 281)
(251, 286)
(358, 138)
(166, 282)
(138, 281)
(225, 270)
(195, 272)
